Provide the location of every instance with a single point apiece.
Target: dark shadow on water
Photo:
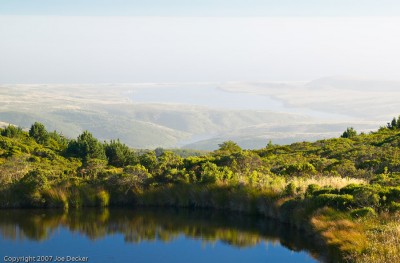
(137, 225)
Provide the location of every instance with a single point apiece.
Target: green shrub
(351, 188)
(35, 180)
(394, 207)
(326, 190)
(364, 195)
(300, 169)
(363, 212)
(334, 200)
(311, 189)
(290, 189)
(45, 153)
(366, 198)
(393, 194)
(210, 173)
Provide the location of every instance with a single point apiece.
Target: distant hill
(354, 83)
(301, 111)
(257, 136)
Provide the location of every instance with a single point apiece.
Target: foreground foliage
(346, 190)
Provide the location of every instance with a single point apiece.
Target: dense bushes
(274, 169)
(11, 131)
(343, 180)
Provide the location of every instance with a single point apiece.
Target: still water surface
(150, 235)
(210, 95)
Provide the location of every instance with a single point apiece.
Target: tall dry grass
(383, 242)
(56, 197)
(278, 184)
(324, 181)
(338, 230)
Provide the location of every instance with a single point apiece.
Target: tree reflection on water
(137, 225)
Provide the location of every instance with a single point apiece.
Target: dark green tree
(118, 154)
(349, 133)
(38, 133)
(394, 124)
(11, 131)
(86, 147)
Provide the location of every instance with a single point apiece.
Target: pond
(148, 235)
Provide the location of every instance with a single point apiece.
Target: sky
(119, 41)
(201, 7)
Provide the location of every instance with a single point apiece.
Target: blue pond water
(149, 236)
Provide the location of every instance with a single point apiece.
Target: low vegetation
(344, 190)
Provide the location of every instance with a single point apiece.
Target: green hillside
(139, 134)
(343, 190)
(147, 126)
(108, 112)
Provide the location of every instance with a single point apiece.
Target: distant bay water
(207, 95)
(212, 96)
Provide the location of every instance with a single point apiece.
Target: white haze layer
(64, 49)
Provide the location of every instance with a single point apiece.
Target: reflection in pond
(201, 234)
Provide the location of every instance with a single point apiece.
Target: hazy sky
(202, 7)
(47, 41)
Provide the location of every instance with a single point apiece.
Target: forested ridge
(344, 190)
